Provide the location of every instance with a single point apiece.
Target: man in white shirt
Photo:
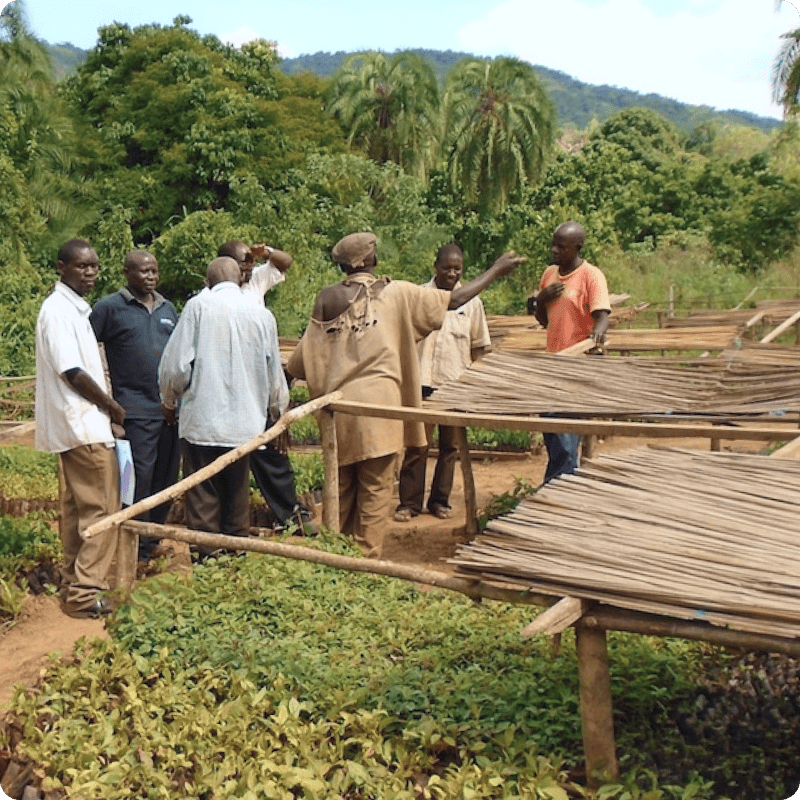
(77, 417)
(223, 362)
(270, 464)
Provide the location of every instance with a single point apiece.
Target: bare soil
(42, 630)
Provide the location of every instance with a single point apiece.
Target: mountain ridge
(577, 103)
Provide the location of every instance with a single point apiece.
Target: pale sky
(717, 53)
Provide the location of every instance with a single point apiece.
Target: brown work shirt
(369, 353)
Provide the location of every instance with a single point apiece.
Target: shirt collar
(130, 298)
(225, 285)
(79, 302)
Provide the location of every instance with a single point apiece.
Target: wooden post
(330, 459)
(588, 447)
(596, 706)
(470, 496)
(127, 553)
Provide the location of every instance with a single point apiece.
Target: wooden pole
(213, 468)
(784, 326)
(597, 713)
(330, 458)
(127, 554)
(470, 496)
(605, 428)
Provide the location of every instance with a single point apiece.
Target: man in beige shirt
(443, 356)
(362, 340)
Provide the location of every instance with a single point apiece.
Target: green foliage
(309, 471)
(389, 108)
(318, 683)
(177, 118)
(577, 103)
(28, 473)
(506, 502)
(499, 129)
(25, 543)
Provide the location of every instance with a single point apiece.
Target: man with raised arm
(270, 464)
(444, 355)
(223, 362)
(362, 340)
(78, 418)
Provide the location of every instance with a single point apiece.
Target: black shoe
(99, 608)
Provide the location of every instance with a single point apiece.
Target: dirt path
(43, 630)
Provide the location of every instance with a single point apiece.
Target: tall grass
(685, 264)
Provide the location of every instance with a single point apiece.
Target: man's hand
(117, 430)
(259, 251)
(117, 413)
(170, 415)
(281, 442)
(507, 263)
(551, 292)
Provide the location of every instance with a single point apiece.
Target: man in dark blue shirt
(134, 325)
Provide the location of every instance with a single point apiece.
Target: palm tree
(786, 72)
(389, 108)
(498, 129)
(36, 150)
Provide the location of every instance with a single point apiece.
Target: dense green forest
(578, 103)
(165, 139)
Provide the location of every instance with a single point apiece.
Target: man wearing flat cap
(362, 340)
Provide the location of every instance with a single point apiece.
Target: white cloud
(706, 52)
(240, 36)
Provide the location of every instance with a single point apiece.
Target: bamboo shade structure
(534, 383)
(690, 535)
(709, 337)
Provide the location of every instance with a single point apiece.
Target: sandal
(442, 512)
(403, 515)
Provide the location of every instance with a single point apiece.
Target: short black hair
(67, 252)
(451, 247)
(230, 249)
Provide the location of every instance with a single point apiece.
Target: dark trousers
(412, 473)
(274, 477)
(156, 457)
(220, 504)
(562, 454)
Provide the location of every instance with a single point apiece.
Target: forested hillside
(176, 142)
(577, 103)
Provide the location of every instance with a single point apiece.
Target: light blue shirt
(223, 362)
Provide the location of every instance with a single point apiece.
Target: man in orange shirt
(573, 305)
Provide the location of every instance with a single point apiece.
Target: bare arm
(504, 265)
(602, 319)
(86, 386)
(278, 258)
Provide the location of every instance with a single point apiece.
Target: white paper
(127, 477)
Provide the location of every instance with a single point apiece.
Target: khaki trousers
(365, 498)
(89, 491)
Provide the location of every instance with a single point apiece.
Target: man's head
(141, 272)
(566, 247)
(356, 253)
(241, 254)
(78, 266)
(449, 265)
(223, 269)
